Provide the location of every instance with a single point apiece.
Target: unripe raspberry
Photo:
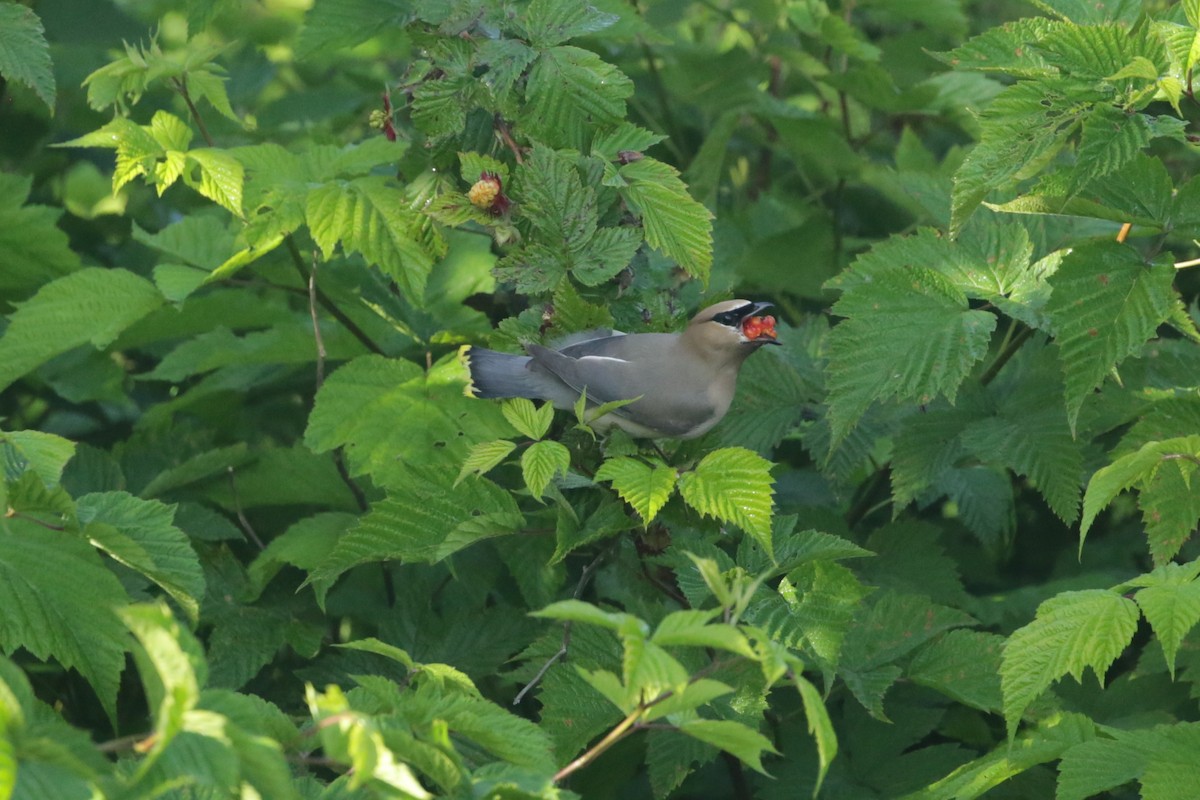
(484, 192)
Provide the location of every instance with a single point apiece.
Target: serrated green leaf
(1072, 631)
(645, 487)
(923, 346)
(964, 665)
(392, 413)
(675, 223)
(551, 22)
(33, 249)
(1172, 606)
(24, 54)
(820, 726)
(221, 177)
(1140, 467)
(696, 629)
(43, 453)
(1096, 766)
(372, 217)
(173, 669)
(570, 93)
(422, 521)
(483, 457)
(204, 83)
(305, 544)
(342, 24)
(1005, 48)
(579, 611)
(893, 626)
(1049, 742)
(91, 305)
(1025, 126)
(141, 534)
(61, 603)
(541, 462)
(1109, 139)
(694, 695)
(743, 742)
(735, 486)
(529, 420)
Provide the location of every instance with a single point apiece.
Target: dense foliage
(258, 543)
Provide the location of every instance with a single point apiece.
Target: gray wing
(604, 378)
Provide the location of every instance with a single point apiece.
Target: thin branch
(312, 310)
(1123, 234)
(180, 85)
(1007, 353)
(327, 304)
(1195, 262)
(505, 134)
(592, 753)
(584, 579)
(237, 507)
(11, 514)
(123, 743)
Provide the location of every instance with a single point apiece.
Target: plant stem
(1007, 353)
(327, 304)
(612, 737)
(181, 87)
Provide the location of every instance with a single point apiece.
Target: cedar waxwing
(683, 382)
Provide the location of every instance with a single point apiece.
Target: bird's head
(732, 329)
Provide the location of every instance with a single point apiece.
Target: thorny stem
(505, 134)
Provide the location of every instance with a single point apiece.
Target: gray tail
(497, 374)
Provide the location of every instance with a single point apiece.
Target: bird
(680, 384)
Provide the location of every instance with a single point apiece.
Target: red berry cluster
(758, 327)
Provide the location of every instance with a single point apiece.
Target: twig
(18, 515)
(237, 507)
(122, 743)
(505, 133)
(612, 737)
(1124, 232)
(1008, 352)
(1195, 262)
(312, 310)
(180, 85)
(327, 304)
(584, 579)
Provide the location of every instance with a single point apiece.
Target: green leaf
(695, 629)
(422, 521)
(574, 530)
(579, 611)
(645, 487)
(33, 249)
(551, 22)
(1023, 129)
(695, 694)
(964, 665)
(1072, 631)
(1142, 467)
(392, 413)
(1049, 742)
(91, 305)
(1107, 302)
(61, 603)
(173, 669)
(24, 54)
(528, 419)
(570, 93)
(483, 457)
(1005, 49)
(43, 453)
(1108, 140)
(735, 486)
(675, 223)
(141, 535)
(371, 216)
(1171, 604)
(743, 742)
(305, 544)
(924, 344)
(541, 462)
(221, 177)
(820, 726)
(342, 24)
